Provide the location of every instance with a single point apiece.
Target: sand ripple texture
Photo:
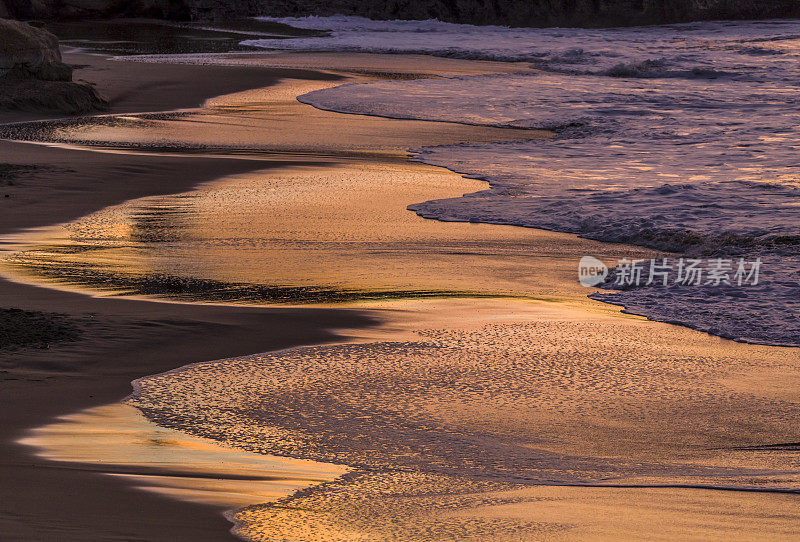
(446, 420)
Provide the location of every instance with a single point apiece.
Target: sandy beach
(122, 340)
(456, 371)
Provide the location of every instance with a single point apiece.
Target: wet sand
(458, 416)
(119, 441)
(122, 340)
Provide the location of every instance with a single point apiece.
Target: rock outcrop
(30, 52)
(33, 77)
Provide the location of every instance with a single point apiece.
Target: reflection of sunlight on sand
(414, 507)
(339, 222)
(117, 440)
(339, 226)
(451, 409)
(606, 514)
(507, 391)
(536, 513)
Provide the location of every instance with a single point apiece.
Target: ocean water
(681, 138)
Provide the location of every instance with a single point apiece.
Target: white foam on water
(681, 138)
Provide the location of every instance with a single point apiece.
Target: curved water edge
(501, 244)
(679, 138)
(116, 440)
(450, 418)
(495, 406)
(175, 246)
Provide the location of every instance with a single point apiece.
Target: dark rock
(18, 94)
(26, 51)
(27, 9)
(33, 77)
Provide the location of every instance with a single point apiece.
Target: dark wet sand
(124, 340)
(43, 500)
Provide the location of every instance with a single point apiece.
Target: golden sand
(462, 418)
(118, 441)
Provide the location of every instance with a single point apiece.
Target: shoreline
(246, 315)
(117, 440)
(125, 339)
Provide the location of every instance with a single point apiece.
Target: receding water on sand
(328, 228)
(487, 419)
(326, 234)
(117, 440)
(680, 138)
(456, 414)
(465, 417)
